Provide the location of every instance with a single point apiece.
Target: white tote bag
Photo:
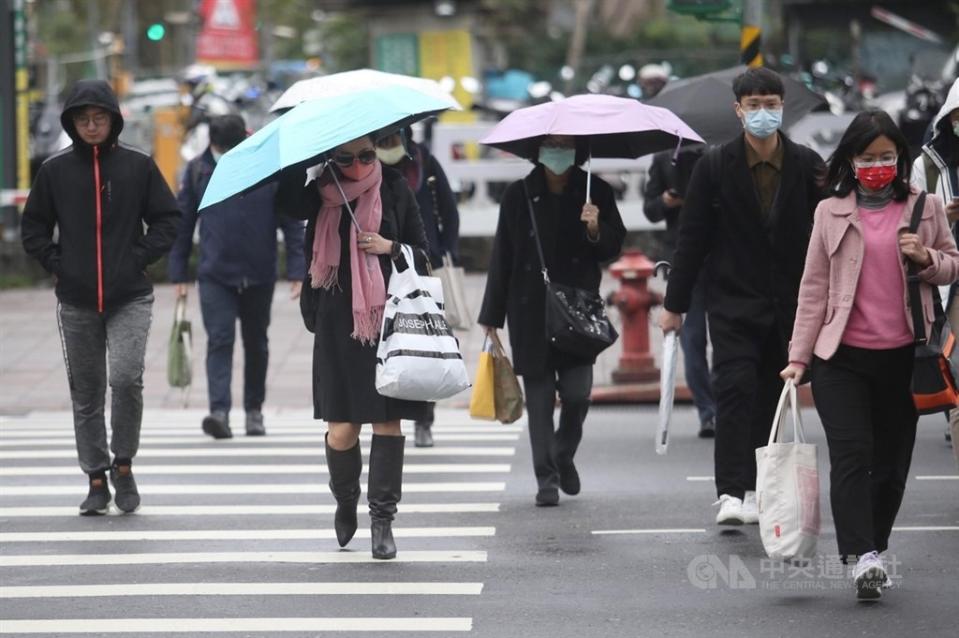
(418, 358)
(454, 293)
(787, 486)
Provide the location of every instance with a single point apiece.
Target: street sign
(902, 24)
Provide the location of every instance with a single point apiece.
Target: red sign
(228, 38)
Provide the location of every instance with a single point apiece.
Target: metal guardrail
(478, 213)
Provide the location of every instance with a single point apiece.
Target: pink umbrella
(612, 126)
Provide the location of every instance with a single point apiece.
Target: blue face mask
(762, 123)
(557, 160)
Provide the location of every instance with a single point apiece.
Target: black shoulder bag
(937, 358)
(576, 319)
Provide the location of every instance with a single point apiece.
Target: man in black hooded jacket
(100, 193)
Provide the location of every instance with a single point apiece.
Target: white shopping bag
(418, 358)
(667, 388)
(787, 487)
(454, 294)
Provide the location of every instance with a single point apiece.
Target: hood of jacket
(939, 124)
(91, 93)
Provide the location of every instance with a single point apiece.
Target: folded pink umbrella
(614, 127)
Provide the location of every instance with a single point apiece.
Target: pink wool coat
(833, 263)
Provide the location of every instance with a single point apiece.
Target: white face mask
(392, 155)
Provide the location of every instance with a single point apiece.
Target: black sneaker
(127, 497)
(707, 429)
(97, 502)
(254, 423)
(569, 478)
(422, 435)
(217, 425)
(547, 497)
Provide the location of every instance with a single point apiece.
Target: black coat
(753, 262)
(344, 369)
(665, 175)
(514, 288)
(98, 263)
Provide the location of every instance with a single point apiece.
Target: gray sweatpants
(91, 341)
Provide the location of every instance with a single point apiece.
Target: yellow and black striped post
(750, 53)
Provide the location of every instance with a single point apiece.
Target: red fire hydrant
(634, 300)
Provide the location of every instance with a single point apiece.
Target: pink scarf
(369, 289)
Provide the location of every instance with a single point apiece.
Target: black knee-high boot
(385, 491)
(345, 468)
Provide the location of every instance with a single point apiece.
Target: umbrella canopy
(305, 133)
(614, 126)
(667, 389)
(352, 81)
(706, 103)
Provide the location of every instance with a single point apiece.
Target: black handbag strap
(913, 281)
(539, 244)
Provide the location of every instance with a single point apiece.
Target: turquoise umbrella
(311, 129)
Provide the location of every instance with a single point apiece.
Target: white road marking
(676, 530)
(946, 477)
(245, 589)
(702, 479)
(927, 528)
(260, 452)
(182, 558)
(255, 468)
(250, 510)
(233, 534)
(20, 439)
(230, 625)
(248, 488)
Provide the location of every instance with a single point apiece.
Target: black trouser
(864, 401)
(746, 388)
(552, 449)
(221, 306)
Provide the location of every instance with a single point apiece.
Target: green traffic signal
(156, 31)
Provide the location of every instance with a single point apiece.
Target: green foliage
(346, 42)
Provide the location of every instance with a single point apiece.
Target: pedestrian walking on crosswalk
(342, 303)
(100, 193)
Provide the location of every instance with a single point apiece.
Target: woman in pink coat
(854, 331)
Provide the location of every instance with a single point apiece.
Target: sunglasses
(367, 156)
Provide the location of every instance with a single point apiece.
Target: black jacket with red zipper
(100, 198)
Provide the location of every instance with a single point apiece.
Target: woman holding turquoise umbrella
(359, 213)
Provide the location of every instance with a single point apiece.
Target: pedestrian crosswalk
(235, 536)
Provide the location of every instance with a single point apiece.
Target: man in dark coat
(746, 220)
(662, 200)
(236, 277)
(577, 238)
(100, 193)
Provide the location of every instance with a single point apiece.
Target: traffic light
(156, 31)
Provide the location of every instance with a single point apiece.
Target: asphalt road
(235, 538)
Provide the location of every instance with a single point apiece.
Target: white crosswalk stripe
(241, 514)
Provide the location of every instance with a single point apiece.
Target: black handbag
(936, 362)
(576, 319)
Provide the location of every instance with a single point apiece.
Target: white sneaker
(730, 510)
(870, 576)
(750, 509)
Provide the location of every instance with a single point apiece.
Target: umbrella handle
(589, 177)
(345, 202)
(664, 266)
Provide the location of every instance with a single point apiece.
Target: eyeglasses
(870, 161)
(100, 119)
(366, 156)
